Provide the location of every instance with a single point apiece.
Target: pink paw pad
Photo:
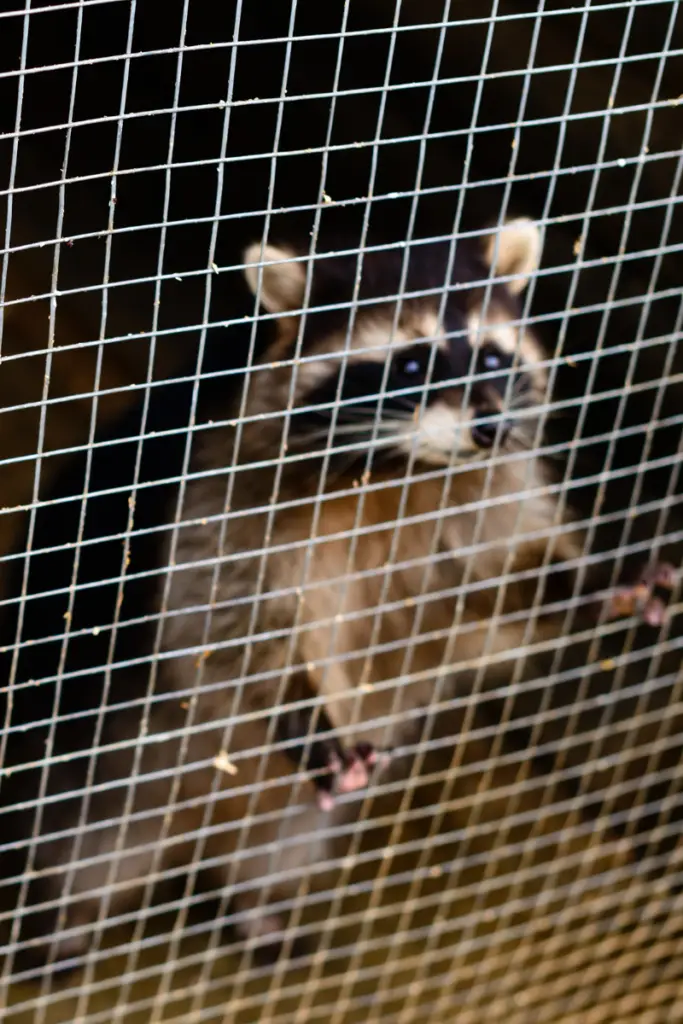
(640, 599)
(354, 776)
(350, 774)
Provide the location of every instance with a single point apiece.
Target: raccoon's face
(443, 382)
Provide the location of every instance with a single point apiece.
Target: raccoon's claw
(349, 770)
(647, 598)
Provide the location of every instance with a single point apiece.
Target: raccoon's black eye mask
(417, 374)
(365, 386)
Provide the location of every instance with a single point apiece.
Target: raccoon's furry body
(360, 587)
(350, 591)
(332, 597)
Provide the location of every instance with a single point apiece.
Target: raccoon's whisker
(405, 403)
(526, 393)
(532, 403)
(558, 414)
(363, 434)
(387, 415)
(388, 401)
(521, 387)
(364, 412)
(523, 442)
(520, 402)
(524, 445)
(407, 409)
(519, 443)
(364, 428)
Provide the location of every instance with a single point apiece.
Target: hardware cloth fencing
(341, 531)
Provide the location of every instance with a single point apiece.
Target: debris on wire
(223, 763)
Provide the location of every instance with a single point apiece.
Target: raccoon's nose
(485, 428)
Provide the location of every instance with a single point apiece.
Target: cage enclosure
(341, 529)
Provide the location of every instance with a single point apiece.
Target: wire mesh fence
(341, 532)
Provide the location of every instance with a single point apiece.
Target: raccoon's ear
(518, 252)
(282, 283)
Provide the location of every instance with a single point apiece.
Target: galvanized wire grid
(503, 900)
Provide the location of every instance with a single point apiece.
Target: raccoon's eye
(490, 357)
(411, 366)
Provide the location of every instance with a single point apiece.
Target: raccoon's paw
(348, 771)
(647, 598)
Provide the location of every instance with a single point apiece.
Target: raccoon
(427, 390)
(331, 565)
(338, 549)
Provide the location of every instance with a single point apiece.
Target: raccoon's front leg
(647, 597)
(334, 768)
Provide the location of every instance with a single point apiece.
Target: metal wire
(521, 860)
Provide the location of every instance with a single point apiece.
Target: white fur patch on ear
(516, 250)
(282, 284)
